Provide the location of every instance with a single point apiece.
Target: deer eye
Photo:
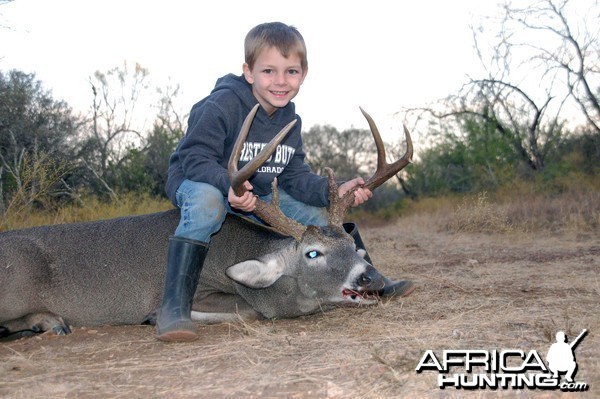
(313, 254)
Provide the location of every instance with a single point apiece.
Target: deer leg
(34, 323)
(399, 288)
(219, 307)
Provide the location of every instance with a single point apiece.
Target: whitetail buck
(111, 272)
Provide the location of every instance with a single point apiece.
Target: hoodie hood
(243, 90)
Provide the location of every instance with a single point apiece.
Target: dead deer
(90, 274)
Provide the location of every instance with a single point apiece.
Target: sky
(382, 55)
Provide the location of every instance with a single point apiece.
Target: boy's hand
(361, 195)
(246, 202)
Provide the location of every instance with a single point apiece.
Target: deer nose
(364, 279)
(370, 279)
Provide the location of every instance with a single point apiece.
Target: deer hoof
(34, 323)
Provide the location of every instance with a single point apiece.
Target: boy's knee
(210, 202)
(214, 207)
(202, 204)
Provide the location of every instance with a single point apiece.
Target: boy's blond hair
(287, 39)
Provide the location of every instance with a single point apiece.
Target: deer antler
(338, 207)
(269, 212)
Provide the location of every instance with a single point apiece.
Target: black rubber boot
(184, 263)
(391, 288)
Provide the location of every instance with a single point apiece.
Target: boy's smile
(275, 80)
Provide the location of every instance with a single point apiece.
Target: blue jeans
(203, 210)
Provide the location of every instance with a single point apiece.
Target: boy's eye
(268, 70)
(293, 71)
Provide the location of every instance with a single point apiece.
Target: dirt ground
(475, 291)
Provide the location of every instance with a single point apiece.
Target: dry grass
(491, 273)
(90, 209)
(512, 290)
(574, 207)
(477, 214)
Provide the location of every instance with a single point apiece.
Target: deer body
(105, 272)
(111, 272)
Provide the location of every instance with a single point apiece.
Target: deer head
(323, 266)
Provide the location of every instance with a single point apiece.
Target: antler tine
(239, 177)
(236, 178)
(377, 137)
(339, 206)
(385, 170)
(269, 212)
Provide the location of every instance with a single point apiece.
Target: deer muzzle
(366, 287)
(370, 280)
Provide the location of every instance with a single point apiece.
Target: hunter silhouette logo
(561, 356)
(511, 368)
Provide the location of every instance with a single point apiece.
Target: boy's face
(275, 79)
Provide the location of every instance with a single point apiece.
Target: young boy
(275, 67)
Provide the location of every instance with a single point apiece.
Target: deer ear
(256, 273)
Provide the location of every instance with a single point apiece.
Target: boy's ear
(248, 74)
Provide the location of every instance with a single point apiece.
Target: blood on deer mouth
(366, 295)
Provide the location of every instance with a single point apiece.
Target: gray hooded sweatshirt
(213, 126)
